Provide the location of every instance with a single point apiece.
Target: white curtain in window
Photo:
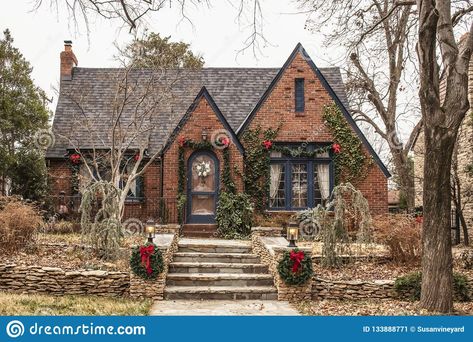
(324, 180)
(275, 180)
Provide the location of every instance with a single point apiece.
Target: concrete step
(216, 267)
(216, 257)
(220, 292)
(219, 279)
(214, 246)
(199, 230)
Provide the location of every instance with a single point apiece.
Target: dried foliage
(344, 219)
(101, 227)
(402, 234)
(18, 224)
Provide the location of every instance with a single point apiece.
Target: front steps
(199, 230)
(217, 269)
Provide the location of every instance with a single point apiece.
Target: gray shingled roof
(91, 93)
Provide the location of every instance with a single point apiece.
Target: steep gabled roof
(203, 93)
(235, 90)
(343, 105)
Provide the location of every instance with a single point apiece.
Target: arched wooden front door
(202, 187)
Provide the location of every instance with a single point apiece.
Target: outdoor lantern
(204, 134)
(150, 230)
(292, 234)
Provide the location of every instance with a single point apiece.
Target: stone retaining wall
(56, 281)
(331, 289)
(52, 280)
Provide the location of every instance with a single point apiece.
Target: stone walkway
(222, 308)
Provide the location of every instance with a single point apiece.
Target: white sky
(215, 34)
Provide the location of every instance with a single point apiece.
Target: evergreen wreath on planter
(295, 268)
(147, 261)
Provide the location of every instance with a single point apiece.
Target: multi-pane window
(298, 183)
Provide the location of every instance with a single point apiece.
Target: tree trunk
(437, 273)
(405, 176)
(466, 238)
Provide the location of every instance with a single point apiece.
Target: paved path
(222, 308)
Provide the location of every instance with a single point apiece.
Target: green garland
(181, 181)
(300, 152)
(300, 277)
(351, 164)
(156, 262)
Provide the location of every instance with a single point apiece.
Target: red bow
(137, 157)
(224, 141)
(267, 144)
(419, 219)
(75, 158)
(182, 141)
(146, 252)
(297, 257)
(336, 148)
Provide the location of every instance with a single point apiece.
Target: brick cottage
(206, 105)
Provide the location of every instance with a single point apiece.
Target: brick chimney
(68, 61)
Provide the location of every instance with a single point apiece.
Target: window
(136, 187)
(299, 94)
(297, 183)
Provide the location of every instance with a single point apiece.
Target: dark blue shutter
(140, 187)
(299, 87)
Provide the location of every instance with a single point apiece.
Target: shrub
(465, 259)
(234, 215)
(411, 284)
(18, 223)
(62, 227)
(401, 234)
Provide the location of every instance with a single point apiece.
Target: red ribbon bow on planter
(146, 252)
(297, 257)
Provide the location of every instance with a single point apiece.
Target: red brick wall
(60, 180)
(279, 108)
(203, 116)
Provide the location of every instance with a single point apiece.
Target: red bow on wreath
(267, 144)
(137, 157)
(336, 148)
(224, 141)
(146, 252)
(297, 257)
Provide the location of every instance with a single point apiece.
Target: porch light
(292, 234)
(204, 134)
(150, 229)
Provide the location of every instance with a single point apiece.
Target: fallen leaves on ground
(372, 308)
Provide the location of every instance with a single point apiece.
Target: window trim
(288, 161)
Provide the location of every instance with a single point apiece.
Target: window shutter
(140, 186)
(299, 94)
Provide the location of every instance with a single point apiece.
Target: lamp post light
(150, 230)
(292, 234)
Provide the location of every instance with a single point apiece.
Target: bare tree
(114, 146)
(442, 119)
(381, 78)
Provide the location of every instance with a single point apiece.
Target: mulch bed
(372, 308)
